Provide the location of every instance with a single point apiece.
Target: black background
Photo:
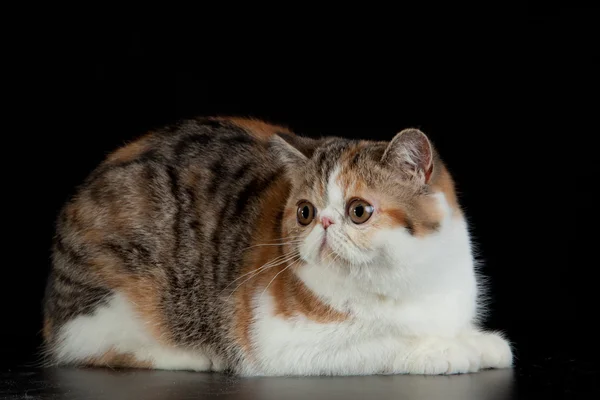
(509, 104)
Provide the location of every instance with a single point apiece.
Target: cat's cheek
(364, 245)
(357, 237)
(397, 245)
(384, 237)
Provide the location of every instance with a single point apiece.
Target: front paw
(437, 356)
(495, 351)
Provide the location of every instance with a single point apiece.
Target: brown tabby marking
(143, 291)
(114, 359)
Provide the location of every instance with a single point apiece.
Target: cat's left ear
(288, 152)
(411, 152)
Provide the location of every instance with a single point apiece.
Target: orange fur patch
(114, 359)
(398, 216)
(293, 297)
(443, 182)
(256, 257)
(258, 128)
(47, 330)
(130, 151)
(423, 222)
(144, 292)
(349, 154)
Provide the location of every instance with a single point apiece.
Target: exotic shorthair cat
(229, 244)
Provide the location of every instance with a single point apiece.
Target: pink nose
(326, 222)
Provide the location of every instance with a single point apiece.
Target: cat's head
(362, 203)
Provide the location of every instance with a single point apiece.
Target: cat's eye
(306, 213)
(359, 211)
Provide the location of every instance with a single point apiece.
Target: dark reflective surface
(82, 384)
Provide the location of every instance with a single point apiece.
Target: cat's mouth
(326, 250)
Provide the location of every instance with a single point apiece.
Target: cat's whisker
(353, 249)
(271, 264)
(291, 237)
(252, 274)
(353, 242)
(284, 238)
(332, 262)
(273, 244)
(358, 252)
(287, 238)
(280, 258)
(276, 275)
(255, 270)
(258, 272)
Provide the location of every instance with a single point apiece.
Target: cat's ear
(288, 152)
(411, 152)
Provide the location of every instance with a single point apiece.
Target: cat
(235, 245)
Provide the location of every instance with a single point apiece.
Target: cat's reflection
(72, 383)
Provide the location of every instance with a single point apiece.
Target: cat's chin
(336, 250)
(327, 257)
(331, 258)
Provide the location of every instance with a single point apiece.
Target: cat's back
(206, 157)
(219, 144)
(195, 166)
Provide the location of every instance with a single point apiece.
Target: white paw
(436, 356)
(495, 351)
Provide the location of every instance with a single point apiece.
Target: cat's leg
(290, 358)
(421, 356)
(495, 350)
(312, 349)
(468, 352)
(435, 356)
(115, 335)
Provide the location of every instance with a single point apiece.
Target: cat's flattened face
(352, 207)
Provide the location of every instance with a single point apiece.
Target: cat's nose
(326, 222)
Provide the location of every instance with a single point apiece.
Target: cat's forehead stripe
(328, 156)
(335, 193)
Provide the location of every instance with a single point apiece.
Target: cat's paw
(437, 356)
(495, 351)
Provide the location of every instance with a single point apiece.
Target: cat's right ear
(290, 156)
(411, 152)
